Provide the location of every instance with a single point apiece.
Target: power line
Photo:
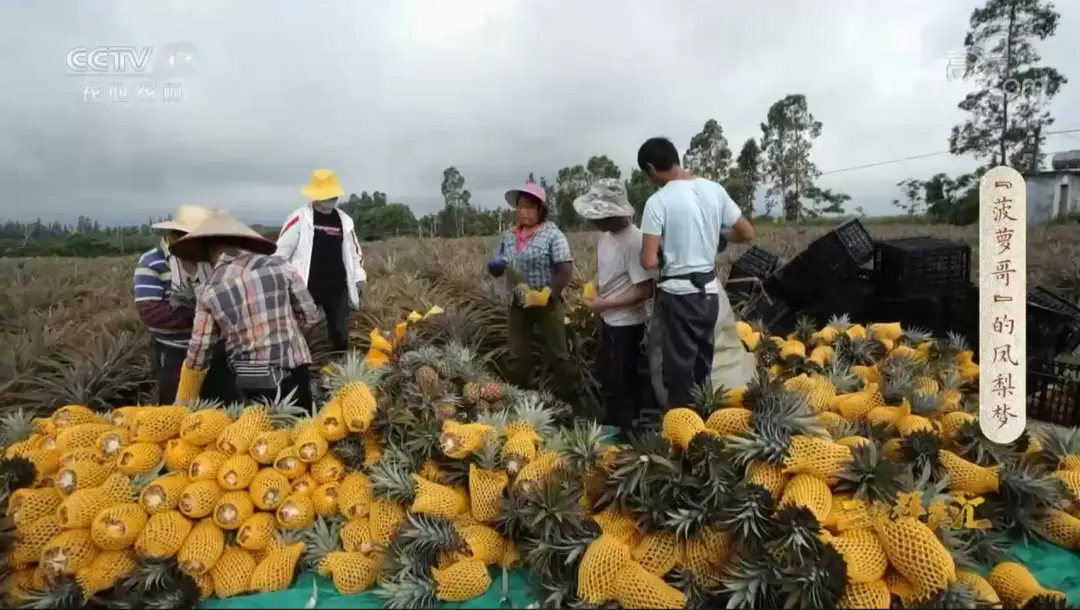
(923, 156)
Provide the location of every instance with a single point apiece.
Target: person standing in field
(319, 241)
(623, 287)
(165, 302)
(257, 303)
(682, 224)
(536, 260)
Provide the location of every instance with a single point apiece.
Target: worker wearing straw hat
(165, 302)
(535, 258)
(319, 241)
(257, 303)
(623, 287)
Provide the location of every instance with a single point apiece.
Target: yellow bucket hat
(324, 185)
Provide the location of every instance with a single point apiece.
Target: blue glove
(497, 264)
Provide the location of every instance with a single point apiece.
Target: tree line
(1008, 120)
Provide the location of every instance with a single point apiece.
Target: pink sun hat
(530, 188)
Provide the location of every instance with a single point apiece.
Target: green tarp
(1053, 566)
(328, 597)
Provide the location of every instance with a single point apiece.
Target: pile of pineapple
(833, 480)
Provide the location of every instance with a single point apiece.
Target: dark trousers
(298, 379)
(688, 327)
(618, 368)
(336, 309)
(167, 362)
(543, 328)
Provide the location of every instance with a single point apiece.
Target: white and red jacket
(298, 236)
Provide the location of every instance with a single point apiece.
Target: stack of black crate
(830, 277)
(925, 282)
(745, 289)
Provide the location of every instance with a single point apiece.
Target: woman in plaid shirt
(535, 257)
(258, 304)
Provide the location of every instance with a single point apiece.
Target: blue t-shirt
(689, 215)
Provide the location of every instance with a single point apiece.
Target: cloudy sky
(388, 94)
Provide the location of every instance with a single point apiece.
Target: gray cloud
(389, 94)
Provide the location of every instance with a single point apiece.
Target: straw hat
(324, 185)
(530, 188)
(222, 228)
(186, 218)
(605, 199)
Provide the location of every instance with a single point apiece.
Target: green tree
(708, 155)
(1010, 111)
(953, 200)
(913, 202)
(638, 191)
(787, 137)
(601, 166)
(456, 204)
(818, 202)
(571, 183)
(744, 179)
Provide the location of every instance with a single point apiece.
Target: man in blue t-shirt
(682, 225)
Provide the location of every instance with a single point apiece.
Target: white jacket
(298, 236)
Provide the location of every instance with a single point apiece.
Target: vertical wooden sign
(1002, 304)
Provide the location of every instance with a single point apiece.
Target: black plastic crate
(1053, 323)
(1053, 392)
(962, 313)
(774, 314)
(927, 312)
(842, 251)
(921, 265)
(755, 262)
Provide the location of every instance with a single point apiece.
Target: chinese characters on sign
(127, 92)
(1002, 306)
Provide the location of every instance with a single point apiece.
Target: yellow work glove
(537, 298)
(414, 316)
(379, 342)
(434, 311)
(399, 332)
(190, 385)
(589, 291)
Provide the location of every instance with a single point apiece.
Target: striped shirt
(259, 306)
(153, 281)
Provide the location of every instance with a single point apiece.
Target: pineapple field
(850, 473)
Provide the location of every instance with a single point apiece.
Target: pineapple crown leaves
(63, 593)
(748, 516)
(815, 584)
(869, 475)
(423, 355)
(795, 536)
(1030, 485)
(391, 479)
(804, 328)
(413, 588)
(203, 404)
(1057, 442)
(705, 398)
(580, 446)
(351, 451)
(353, 369)
(140, 481)
(321, 539)
(489, 455)
(840, 322)
(842, 378)
(645, 461)
(972, 445)
(16, 473)
(15, 426)
(425, 537)
(915, 336)
(700, 593)
(925, 404)
(921, 449)
(958, 543)
(750, 582)
(283, 410)
(495, 419)
(533, 409)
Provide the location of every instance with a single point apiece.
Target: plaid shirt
(259, 305)
(545, 248)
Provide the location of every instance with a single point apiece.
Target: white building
(1055, 194)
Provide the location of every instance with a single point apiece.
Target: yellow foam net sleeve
(191, 381)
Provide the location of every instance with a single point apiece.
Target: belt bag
(699, 280)
(256, 376)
